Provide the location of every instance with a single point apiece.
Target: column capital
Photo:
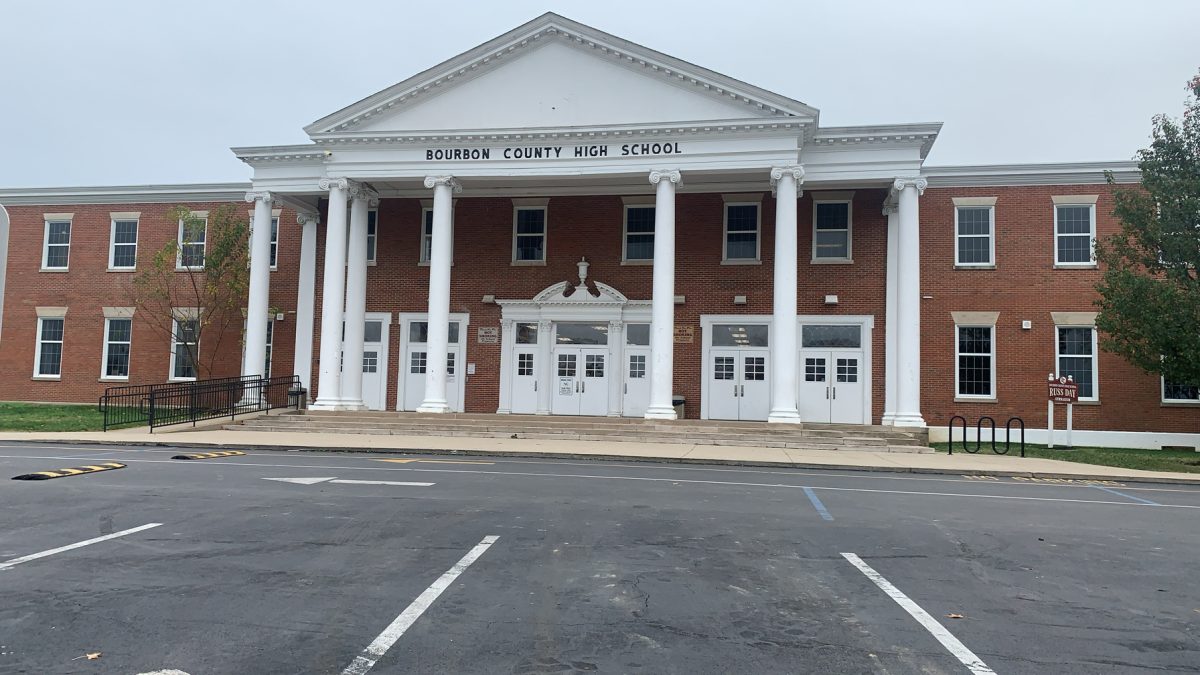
(919, 183)
(361, 191)
(614, 326)
(795, 171)
(507, 324)
(257, 195)
(306, 217)
(332, 183)
(544, 325)
(672, 175)
(433, 181)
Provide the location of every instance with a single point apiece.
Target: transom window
(581, 333)
(1074, 233)
(637, 334)
(191, 242)
(49, 347)
(741, 232)
(1075, 351)
(527, 333)
(185, 349)
(118, 334)
(418, 332)
(739, 335)
(529, 234)
(57, 251)
(975, 365)
(973, 242)
(831, 230)
(639, 233)
(122, 254)
(834, 337)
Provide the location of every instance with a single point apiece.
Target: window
(274, 241)
(417, 363)
(847, 370)
(418, 331)
(975, 362)
(525, 365)
(270, 340)
(637, 366)
(1074, 234)
(814, 369)
(755, 369)
(973, 241)
(529, 235)
(1075, 354)
(566, 365)
(637, 334)
(48, 358)
(723, 368)
(426, 234)
(1179, 392)
(527, 333)
(122, 252)
(831, 231)
(372, 232)
(726, 335)
(741, 232)
(819, 335)
(593, 365)
(191, 242)
(57, 250)
(639, 233)
(185, 348)
(118, 333)
(581, 333)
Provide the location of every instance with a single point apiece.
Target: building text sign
(554, 151)
(489, 335)
(685, 334)
(1063, 390)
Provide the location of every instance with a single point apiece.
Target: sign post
(1060, 390)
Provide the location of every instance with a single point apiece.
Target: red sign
(1063, 390)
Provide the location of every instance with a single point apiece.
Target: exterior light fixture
(831, 300)
(739, 299)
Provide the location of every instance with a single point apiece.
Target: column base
(784, 416)
(435, 407)
(888, 419)
(908, 420)
(661, 413)
(353, 405)
(329, 405)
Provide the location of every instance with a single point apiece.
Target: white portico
(558, 109)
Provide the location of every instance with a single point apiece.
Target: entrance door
(412, 368)
(832, 373)
(635, 396)
(374, 365)
(580, 381)
(524, 395)
(738, 387)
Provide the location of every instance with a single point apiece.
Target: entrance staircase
(692, 432)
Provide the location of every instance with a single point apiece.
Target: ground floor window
(1180, 392)
(118, 335)
(185, 348)
(975, 365)
(1075, 352)
(49, 347)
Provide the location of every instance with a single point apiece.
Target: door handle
(835, 393)
(826, 393)
(535, 385)
(743, 394)
(583, 387)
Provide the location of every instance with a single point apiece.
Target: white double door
(831, 386)
(738, 388)
(580, 381)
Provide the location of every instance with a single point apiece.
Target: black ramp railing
(159, 405)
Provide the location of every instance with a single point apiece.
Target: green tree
(197, 284)
(1150, 292)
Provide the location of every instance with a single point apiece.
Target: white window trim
(37, 346)
(991, 262)
(1095, 398)
(630, 204)
(112, 239)
(1162, 390)
(185, 315)
(976, 398)
(426, 212)
(1080, 200)
(179, 266)
(48, 218)
(104, 376)
(531, 205)
(832, 199)
(757, 259)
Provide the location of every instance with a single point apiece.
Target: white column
(662, 305)
(891, 333)
(333, 295)
(305, 294)
(258, 300)
(784, 351)
(439, 295)
(356, 301)
(616, 366)
(908, 303)
(544, 368)
(508, 340)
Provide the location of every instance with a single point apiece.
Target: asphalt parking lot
(353, 564)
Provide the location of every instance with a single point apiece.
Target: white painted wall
(1092, 439)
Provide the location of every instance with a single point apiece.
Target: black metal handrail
(159, 405)
(979, 434)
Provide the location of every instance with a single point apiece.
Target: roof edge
(117, 194)
(1045, 173)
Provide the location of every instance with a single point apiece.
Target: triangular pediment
(553, 73)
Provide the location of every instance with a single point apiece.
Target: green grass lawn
(1187, 461)
(49, 417)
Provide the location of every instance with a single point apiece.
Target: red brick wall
(88, 286)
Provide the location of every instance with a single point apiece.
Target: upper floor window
(529, 232)
(274, 241)
(1074, 231)
(741, 232)
(426, 234)
(832, 228)
(639, 233)
(191, 241)
(372, 234)
(122, 248)
(974, 231)
(56, 251)
(1075, 355)
(48, 357)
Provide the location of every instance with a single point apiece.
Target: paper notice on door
(566, 386)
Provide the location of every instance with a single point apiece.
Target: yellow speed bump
(73, 471)
(209, 455)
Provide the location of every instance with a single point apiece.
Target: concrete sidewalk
(853, 460)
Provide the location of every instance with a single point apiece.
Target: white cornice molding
(923, 133)
(546, 28)
(1064, 173)
(126, 194)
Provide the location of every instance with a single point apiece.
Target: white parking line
(24, 559)
(951, 643)
(375, 651)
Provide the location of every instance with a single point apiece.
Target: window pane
(183, 362)
(52, 329)
(1079, 368)
(833, 216)
(531, 221)
(975, 340)
(1176, 391)
(974, 375)
(637, 334)
(639, 219)
(119, 330)
(1074, 220)
(529, 247)
(452, 334)
(637, 366)
(639, 247)
(1075, 341)
(814, 370)
(975, 220)
(51, 359)
(974, 250)
(418, 331)
(185, 331)
(60, 232)
(372, 331)
(847, 370)
(56, 256)
(833, 244)
(723, 368)
(581, 333)
(755, 369)
(738, 335)
(1074, 249)
(741, 218)
(124, 255)
(126, 232)
(117, 364)
(527, 333)
(830, 336)
(741, 245)
(372, 222)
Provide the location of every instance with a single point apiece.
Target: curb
(1002, 473)
(73, 471)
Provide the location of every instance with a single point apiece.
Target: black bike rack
(979, 434)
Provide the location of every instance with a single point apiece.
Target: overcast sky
(123, 92)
